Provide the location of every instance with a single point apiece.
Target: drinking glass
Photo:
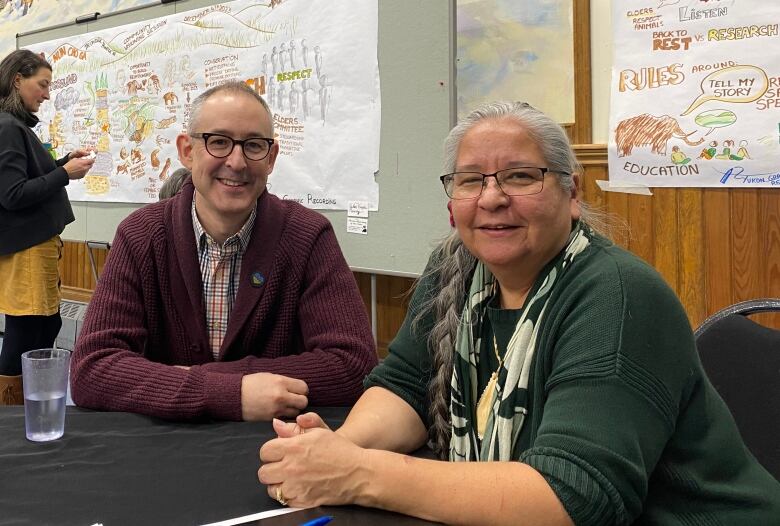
(45, 381)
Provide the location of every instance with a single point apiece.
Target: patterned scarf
(510, 401)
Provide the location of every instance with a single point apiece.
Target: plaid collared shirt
(220, 270)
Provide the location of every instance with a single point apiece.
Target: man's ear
(184, 147)
(272, 156)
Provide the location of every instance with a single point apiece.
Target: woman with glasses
(556, 372)
(34, 210)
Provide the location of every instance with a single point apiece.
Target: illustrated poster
(126, 92)
(695, 98)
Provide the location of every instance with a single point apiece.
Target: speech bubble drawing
(715, 119)
(739, 84)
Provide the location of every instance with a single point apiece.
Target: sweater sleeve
(621, 365)
(338, 347)
(407, 369)
(108, 368)
(17, 189)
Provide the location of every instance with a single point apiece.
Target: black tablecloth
(128, 469)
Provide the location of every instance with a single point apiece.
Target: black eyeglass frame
(450, 176)
(205, 136)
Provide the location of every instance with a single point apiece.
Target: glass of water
(45, 382)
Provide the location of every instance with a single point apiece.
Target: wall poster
(22, 16)
(126, 91)
(695, 98)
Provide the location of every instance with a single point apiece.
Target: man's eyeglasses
(220, 146)
(521, 180)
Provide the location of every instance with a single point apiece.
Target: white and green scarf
(510, 401)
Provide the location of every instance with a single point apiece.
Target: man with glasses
(224, 301)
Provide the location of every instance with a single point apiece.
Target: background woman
(557, 372)
(34, 210)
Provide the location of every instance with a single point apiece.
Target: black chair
(742, 360)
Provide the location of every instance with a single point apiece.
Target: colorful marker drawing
(715, 119)
(649, 130)
(735, 84)
(127, 92)
(705, 76)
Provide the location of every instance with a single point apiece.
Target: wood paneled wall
(715, 247)
(393, 295)
(78, 281)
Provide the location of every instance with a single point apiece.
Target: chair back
(742, 360)
(95, 245)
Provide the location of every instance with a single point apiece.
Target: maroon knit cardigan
(298, 313)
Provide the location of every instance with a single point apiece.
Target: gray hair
(452, 263)
(173, 183)
(544, 131)
(233, 86)
(25, 63)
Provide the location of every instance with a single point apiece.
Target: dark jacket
(34, 205)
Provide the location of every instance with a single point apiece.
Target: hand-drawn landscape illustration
(21, 16)
(126, 92)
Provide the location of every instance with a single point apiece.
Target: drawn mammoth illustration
(170, 98)
(649, 130)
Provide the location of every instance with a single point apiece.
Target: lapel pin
(257, 279)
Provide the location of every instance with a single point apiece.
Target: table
(128, 469)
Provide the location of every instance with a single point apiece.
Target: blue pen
(319, 521)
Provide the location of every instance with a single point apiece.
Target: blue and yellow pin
(257, 279)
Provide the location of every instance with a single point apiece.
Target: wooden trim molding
(583, 100)
(591, 154)
(76, 294)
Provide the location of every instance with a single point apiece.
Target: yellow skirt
(30, 280)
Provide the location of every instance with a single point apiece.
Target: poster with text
(695, 98)
(126, 92)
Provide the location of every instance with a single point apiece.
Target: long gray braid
(452, 264)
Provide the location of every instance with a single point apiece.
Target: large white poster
(126, 92)
(695, 93)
